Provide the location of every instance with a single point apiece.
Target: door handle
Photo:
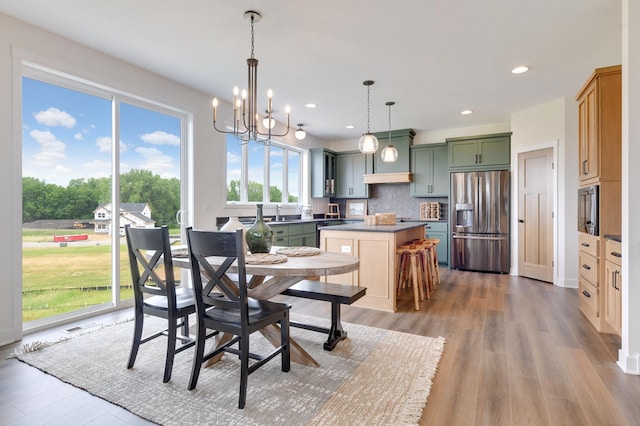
(584, 167)
(520, 220)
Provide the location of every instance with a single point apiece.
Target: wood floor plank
(528, 405)
(521, 360)
(565, 412)
(493, 403)
(595, 398)
(554, 376)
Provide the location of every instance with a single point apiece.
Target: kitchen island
(375, 246)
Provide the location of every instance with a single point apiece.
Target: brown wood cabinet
(600, 159)
(600, 126)
(613, 285)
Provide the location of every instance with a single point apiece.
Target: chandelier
(389, 153)
(368, 143)
(245, 109)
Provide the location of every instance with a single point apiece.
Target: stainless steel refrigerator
(479, 209)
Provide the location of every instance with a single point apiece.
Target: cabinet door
(323, 165)
(359, 163)
(588, 142)
(440, 183)
(494, 151)
(612, 292)
(401, 140)
(421, 172)
(463, 154)
(344, 175)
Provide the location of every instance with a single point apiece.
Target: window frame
(267, 179)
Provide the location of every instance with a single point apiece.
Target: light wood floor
(518, 352)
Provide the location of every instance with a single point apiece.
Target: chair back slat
(230, 246)
(145, 268)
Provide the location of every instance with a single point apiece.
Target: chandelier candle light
(368, 143)
(389, 153)
(245, 123)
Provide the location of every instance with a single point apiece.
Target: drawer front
(437, 227)
(280, 231)
(589, 244)
(588, 266)
(588, 296)
(614, 252)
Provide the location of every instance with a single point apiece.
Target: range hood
(401, 177)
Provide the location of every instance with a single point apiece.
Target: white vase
(234, 224)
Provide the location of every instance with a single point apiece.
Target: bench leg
(336, 333)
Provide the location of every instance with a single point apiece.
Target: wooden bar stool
(332, 210)
(427, 262)
(433, 254)
(410, 270)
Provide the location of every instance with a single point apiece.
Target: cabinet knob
(585, 266)
(586, 293)
(520, 220)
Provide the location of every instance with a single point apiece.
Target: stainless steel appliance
(588, 205)
(479, 210)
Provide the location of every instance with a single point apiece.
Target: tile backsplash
(395, 198)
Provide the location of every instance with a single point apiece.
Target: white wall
(552, 124)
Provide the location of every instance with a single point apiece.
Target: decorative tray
(264, 258)
(298, 251)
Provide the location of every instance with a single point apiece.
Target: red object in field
(67, 238)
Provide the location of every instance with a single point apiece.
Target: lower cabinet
(440, 230)
(294, 235)
(613, 283)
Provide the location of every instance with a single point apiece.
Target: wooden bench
(336, 294)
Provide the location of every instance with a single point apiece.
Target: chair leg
(244, 369)
(285, 355)
(171, 349)
(137, 337)
(185, 328)
(198, 355)
(414, 275)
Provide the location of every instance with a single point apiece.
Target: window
(258, 173)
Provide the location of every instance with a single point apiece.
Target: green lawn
(59, 279)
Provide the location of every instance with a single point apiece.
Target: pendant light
(368, 143)
(300, 133)
(389, 153)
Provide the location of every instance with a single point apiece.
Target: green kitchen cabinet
(402, 141)
(294, 234)
(480, 152)
(323, 173)
(350, 167)
(440, 230)
(429, 171)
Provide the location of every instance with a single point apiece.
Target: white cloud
(155, 160)
(53, 117)
(51, 149)
(78, 136)
(161, 138)
(104, 144)
(98, 165)
(61, 170)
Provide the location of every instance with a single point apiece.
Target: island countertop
(361, 227)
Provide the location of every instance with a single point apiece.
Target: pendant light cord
(368, 108)
(252, 35)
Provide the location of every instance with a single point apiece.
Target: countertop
(361, 227)
(613, 237)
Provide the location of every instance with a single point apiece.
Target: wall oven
(588, 206)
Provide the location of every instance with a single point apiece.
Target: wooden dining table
(269, 280)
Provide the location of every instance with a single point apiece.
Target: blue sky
(67, 135)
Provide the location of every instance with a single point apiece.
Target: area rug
(374, 377)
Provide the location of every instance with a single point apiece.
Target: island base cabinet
(377, 254)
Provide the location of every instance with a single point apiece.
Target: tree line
(77, 201)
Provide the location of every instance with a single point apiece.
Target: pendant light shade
(300, 133)
(389, 153)
(368, 143)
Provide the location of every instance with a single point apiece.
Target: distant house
(134, 214)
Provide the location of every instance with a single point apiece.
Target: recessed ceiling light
(311, 105)
(520, 69)
(350, 126)
(466, 112)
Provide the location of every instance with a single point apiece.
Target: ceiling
(434, 58)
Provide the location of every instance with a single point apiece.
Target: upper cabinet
(429, 171)
(350, 168)
(323, 173)
(480, 152)
(599, 126)
(401, 140)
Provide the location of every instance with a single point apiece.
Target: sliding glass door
(93, 162)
